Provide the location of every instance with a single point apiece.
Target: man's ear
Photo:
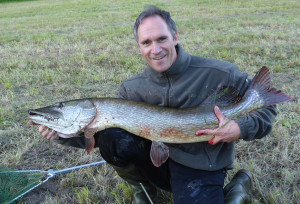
(175, 39)
(138, 44)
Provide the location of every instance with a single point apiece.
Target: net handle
(67, 170)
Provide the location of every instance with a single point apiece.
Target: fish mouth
(36, 115)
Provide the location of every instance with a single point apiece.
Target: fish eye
(60, 105)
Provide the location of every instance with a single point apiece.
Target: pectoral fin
(89, 139)
(159, 153)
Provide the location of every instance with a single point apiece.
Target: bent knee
(118, 147)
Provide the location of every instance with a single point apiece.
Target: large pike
(159, 124)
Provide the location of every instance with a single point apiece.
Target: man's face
(156, 43)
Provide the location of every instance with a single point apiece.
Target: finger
(49, 134)
(42, 128)
(45, 133)
(215, 140)
(211, 142)
(30, 122)
(205, 132)
(220, 116)
(52, 135)
(56, 137)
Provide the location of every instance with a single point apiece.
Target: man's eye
(162, 39)
(146, 43)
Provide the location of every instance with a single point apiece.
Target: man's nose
(156, 48)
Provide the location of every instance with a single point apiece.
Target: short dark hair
(154, 11)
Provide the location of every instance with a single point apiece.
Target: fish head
(68, 118)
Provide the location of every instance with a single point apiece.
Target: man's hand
(228, 130)
(45, 131)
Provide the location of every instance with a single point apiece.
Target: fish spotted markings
(170, 132)
(145, 131)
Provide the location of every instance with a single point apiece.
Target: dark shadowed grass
(54, 51)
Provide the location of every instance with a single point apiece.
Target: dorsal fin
(225, 95)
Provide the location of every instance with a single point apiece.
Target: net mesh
(16, 183)
(13, 183)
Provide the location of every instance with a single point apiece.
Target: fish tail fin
(262, 83)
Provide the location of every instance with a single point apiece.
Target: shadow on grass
(8, 1)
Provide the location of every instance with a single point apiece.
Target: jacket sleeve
(257, 124)
(78, 142)
(73, 142)
(122, 92)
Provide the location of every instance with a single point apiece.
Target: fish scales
(158, 123)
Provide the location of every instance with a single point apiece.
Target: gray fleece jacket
(187, 83)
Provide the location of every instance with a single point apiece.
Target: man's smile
(160, 57)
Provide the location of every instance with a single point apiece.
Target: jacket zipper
(208, 156)
(168, 90)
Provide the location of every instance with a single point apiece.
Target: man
(195, 172)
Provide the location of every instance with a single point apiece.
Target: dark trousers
(120, 148)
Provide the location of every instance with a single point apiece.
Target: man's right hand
(45, 131)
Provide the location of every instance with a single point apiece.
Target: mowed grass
(54, 51)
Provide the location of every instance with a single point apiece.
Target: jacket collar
(179, 66)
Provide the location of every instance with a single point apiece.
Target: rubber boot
(131, 174)
(238, 190)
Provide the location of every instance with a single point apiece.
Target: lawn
(53, 51)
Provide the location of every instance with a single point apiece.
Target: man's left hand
(228, 130)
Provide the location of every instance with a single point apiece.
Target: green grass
(9, 1)
(53, 51)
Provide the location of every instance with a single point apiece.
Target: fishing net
(16, 183)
